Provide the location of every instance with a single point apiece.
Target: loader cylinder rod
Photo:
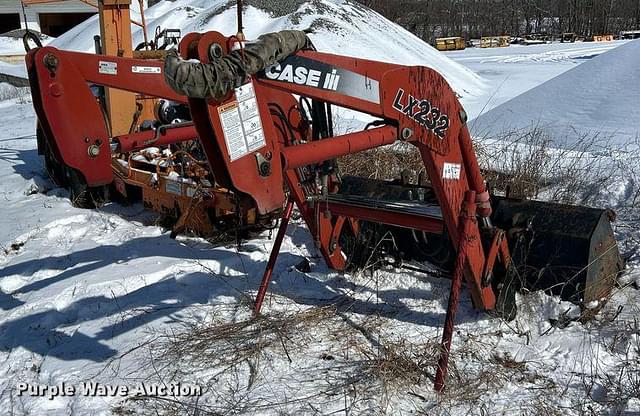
(474, 175)
(162, 136)
(327, 149)
(466, 224)
(266, 278)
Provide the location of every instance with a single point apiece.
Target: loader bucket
(567, 250)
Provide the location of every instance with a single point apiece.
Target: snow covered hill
(600, 96)
(340, 26)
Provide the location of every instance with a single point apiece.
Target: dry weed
(387, 162)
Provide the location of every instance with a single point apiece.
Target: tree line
(429, 19)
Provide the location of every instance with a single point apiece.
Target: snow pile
(340, 26)
(11, 42)
(598, 97)
(11, 46)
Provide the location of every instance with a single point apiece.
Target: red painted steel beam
(400, 219)
(162, 136)
(326, 149)
(141, 76)
(268, 272)
(467, 224)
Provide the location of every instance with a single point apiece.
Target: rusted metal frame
(275, 250)
(467, 225)
(455, 148)
(474, 175)
(327, 228)
(321, 226)
(181, 224)
(450, 195)
(243, 174)
(68, 111)
(422, 83)
(188, 48)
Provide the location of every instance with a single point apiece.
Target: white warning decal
(241, 123)
(146, 69)
(109, 68)
(451, 171)
(173, 187)
(233, 134)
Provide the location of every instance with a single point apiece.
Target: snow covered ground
(598, 97)
(106, 296)
(515, 69)
(10, 46)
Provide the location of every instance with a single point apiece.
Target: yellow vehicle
(494, 41)
(603, 38)
(454, 43)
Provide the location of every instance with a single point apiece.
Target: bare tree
(429, 19)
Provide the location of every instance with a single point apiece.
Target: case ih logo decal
(422, 112)
(304, 76)
(307, 72)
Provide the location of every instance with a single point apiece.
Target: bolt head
(93, 150)
(463, 116)
(56, 89)
(406, 133)
(215, 51)
(265, 168)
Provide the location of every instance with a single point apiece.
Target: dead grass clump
(229, 360)
(229, 343)
(619, 332)
(9, 92)
(522, 163)
(529, 163)
(398, 364)
(387, 162)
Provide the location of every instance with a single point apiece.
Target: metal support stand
(467, 219)
(266, 279)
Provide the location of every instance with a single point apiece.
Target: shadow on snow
(55, 332)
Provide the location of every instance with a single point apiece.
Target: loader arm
(417, 106)
(68, 110)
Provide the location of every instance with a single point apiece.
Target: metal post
(466, 222)
(266, 279)
(144, 25)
